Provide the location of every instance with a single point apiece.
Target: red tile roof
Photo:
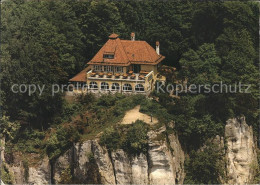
(126, 52)
(113, 36)
(81, 76)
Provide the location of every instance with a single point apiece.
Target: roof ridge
(148, 50)
(118, 41)
(133, 40)
(124, 50)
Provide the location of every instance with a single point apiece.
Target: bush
(153, 108)
(66, 177)
(110, 138)
(69, 110)
(136, 140)
(30, 141)
(6, 177)
(7, 128)
(86, 99)
(205, 166)
(131, 138)
(61, 140)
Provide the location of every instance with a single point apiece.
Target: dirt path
(134, 114)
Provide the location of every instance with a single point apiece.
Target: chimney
(132, 36)
(157, 47)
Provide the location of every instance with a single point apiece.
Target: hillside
(205, 129)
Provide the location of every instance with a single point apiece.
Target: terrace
(130, 76)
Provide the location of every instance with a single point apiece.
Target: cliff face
(88, 162)
(241, 151)
(163, 162)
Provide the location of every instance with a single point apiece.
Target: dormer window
(108, 56)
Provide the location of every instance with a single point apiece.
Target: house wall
(125, 69)
(149, 68)
(147, 85)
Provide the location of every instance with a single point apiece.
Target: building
(125, 66)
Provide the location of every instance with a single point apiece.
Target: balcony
(130, 77)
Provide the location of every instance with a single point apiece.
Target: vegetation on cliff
(47, 42)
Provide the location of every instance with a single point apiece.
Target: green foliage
(86, 99)
(131, 138)
(111, 139)
(42, 46)
(6, 177)
(91, 157)
(30, 141)
(153, 108)
(8, 129)
(26, 169)
(194, 125)
(256, 168)
(202, 66)
(48, 42)
(205, 166)
(136, 139)
(66, 177)
(69, 110)
(61, 140)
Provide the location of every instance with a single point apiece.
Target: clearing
(134, 114)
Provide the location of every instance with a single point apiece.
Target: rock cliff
(163, 163)
(89, 162)
(241, 151)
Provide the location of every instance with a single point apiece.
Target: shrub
(131, 138)
(110, 138)
(136, 140)
(205, 166)
(66, 177)
(151, 107)
(69, 110)
(61, 140)
(86, 99)
(7, 128)
(6, 177)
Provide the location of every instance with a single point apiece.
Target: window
(97, 68)
(139, 87)
(119, 69)
(115, 87)
(127, 87)
(104, 86)
(108, 68)
(109, 56)
(93, 85)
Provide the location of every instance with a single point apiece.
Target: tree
(8, 129)
(205, 166)
(41, 46)
(201, 66)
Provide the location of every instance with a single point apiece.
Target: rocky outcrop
(166, 159)
(40, 174)
(104, 163)
(61, 164)
(139, 166)
(178, 158)
(130, 169)
(122, 167)
(80, 161)
(163, 163)
(241, 151)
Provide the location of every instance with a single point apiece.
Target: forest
(48, 42)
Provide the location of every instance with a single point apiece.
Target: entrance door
(136, 68)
